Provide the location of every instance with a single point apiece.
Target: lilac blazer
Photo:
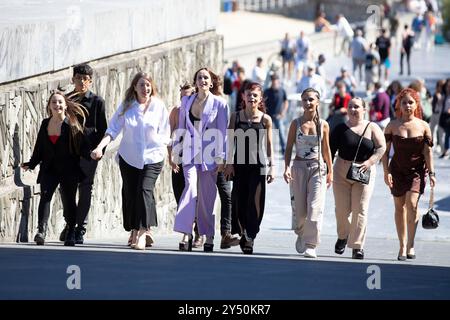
(207, 146)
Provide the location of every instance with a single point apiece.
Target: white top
(344, 28)
(315, 81)
(145, 135)
(258, 75)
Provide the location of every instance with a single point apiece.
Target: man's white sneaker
(310, 253)
(300, 245)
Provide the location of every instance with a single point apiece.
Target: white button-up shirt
(145, 135)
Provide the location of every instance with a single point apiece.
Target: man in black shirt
(94, 131)
(277, 106)
(384, 46)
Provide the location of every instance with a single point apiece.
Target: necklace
(251, 118)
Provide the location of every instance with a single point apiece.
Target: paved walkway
(110, 270)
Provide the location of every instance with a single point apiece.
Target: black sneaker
(79, 236)
(358, 254)
(339, 247)
(62, 236)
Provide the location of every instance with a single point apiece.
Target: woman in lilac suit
(201, 136)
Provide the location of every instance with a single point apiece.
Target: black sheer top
(345, 142)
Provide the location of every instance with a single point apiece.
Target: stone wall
(41, 36)
(22, 108)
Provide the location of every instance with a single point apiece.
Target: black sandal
(186, 246)
(246, 245)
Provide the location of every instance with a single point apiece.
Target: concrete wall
(41, 36)
(22, 108)
(354, 10)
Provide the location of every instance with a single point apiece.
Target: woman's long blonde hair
(76, 115)
(130, 94)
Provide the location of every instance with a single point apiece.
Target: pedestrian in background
(277, 104)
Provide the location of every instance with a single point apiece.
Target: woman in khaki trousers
(311, 171)
(351, 197)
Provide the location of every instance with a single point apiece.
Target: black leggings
(68, 190)
(408, 54)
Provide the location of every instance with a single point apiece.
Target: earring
(211, 85)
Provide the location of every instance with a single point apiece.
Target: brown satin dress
(408, 166)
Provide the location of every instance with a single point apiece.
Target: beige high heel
(149, 240)
(133, 238)
(141, 237)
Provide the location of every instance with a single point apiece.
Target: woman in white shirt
(143, 119)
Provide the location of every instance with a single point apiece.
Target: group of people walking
(208, 148)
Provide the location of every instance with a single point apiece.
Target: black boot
(79, 235)
(70, 237)
(39, 238)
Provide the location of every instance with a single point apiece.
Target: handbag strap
(360, 140)
(431, 203)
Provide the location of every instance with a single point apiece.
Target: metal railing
(263, 5)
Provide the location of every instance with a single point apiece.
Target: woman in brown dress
(411, 163)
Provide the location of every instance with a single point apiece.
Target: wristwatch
(432, 173)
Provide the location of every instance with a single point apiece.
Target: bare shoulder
(392, 125)
(267, 120)
(325, 125)
(425, 127)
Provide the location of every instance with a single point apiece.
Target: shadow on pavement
(42, 274)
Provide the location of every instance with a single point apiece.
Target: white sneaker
(300, 245)
(310, 253)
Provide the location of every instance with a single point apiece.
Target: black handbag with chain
(354, 172)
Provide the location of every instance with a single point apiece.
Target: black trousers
(248, 196)
(88, 167)
(68, 190)
(224, 188)
(408, 64)
(138, 201)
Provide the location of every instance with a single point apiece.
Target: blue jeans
(278, 124)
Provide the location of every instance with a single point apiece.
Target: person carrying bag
(354, 172)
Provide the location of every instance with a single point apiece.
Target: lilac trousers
(197, 200)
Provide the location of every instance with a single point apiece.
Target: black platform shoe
(70, 237)
(186, 245)
(339, 247)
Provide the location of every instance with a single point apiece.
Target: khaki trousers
(351, 197)
(309, 195)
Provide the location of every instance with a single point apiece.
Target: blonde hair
(74, 113)
(130, 94)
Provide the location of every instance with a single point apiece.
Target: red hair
(413, 93)
(251, 86)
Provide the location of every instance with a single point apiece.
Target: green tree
(446, 18)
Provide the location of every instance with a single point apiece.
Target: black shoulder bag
(354, 172)
(430, 220)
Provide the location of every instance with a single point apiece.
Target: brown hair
(215, 80)
(130, 94)
(251, 86)
(413, 93)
